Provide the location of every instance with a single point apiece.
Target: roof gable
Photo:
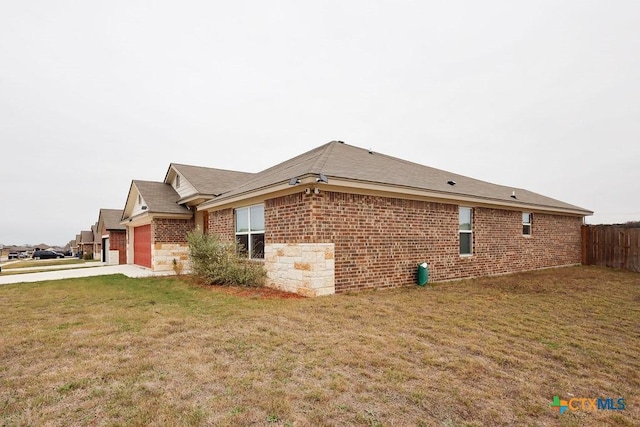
(154, 198)
(204, 181)
(109, 219)
(86, 236)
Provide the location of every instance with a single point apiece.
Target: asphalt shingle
(160, 197)
(339, 160)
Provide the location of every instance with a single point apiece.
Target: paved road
(99, 270)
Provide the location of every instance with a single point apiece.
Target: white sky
(543, 95)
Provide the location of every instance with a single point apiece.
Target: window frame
(177, 181)
(249, 251)
(527, 224)
(466, 232)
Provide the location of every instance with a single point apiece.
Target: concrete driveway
(99, 270)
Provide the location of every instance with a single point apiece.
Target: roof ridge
(208, 168)
(322, 159)
(150, 182)
(275, 168)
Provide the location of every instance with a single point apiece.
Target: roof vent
(513, 195)
(451, 182)
(370, 151)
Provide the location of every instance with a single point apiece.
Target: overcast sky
(543, 95)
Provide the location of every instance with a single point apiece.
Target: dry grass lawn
(33, 266)
(165, 351)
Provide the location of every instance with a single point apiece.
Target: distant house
(76, 248)
(113, 236)
(85, 243)
(71, 248)
(97, 242)
(341, 218)
(158, 215)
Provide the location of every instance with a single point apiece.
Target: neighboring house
(85, 244)
(97, 241)
(76, 249)
(341, 218)
(113, 236)
(158, 215)
(69, 247)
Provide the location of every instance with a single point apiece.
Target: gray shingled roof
(210, 180)
(111, 219)
(86, 237)
(339, 160)
(160, 197)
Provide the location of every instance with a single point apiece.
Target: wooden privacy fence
(611, 246)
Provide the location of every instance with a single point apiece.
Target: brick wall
(171, 230)
(118, 242)
(379, 241)
(86, 248)
(221, 223)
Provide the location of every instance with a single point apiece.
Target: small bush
(217, 261)
(87, 256)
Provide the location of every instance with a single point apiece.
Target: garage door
(142, 245)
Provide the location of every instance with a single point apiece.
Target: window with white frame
(466, 230)
(250, 231)
(527, 218)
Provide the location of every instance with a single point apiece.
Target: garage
(142, 245)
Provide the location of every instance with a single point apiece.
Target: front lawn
(111, 350)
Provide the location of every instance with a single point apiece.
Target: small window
(466, 231)
(177, 181)
(526, 223)
(139, 199)
(250, 231)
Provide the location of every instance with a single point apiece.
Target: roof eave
(151, 215)
(195, 199)
(280, 188)
(337, 184)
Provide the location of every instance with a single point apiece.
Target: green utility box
(423, 274)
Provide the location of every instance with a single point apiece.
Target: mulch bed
(245, 291)
(262, 292)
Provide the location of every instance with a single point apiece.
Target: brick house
(85, 242)
(97, 242)
(113, 236)
(341, 218)
(76, 248)
(158, 215)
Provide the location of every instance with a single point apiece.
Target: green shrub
(217, 261)
(87, 256)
